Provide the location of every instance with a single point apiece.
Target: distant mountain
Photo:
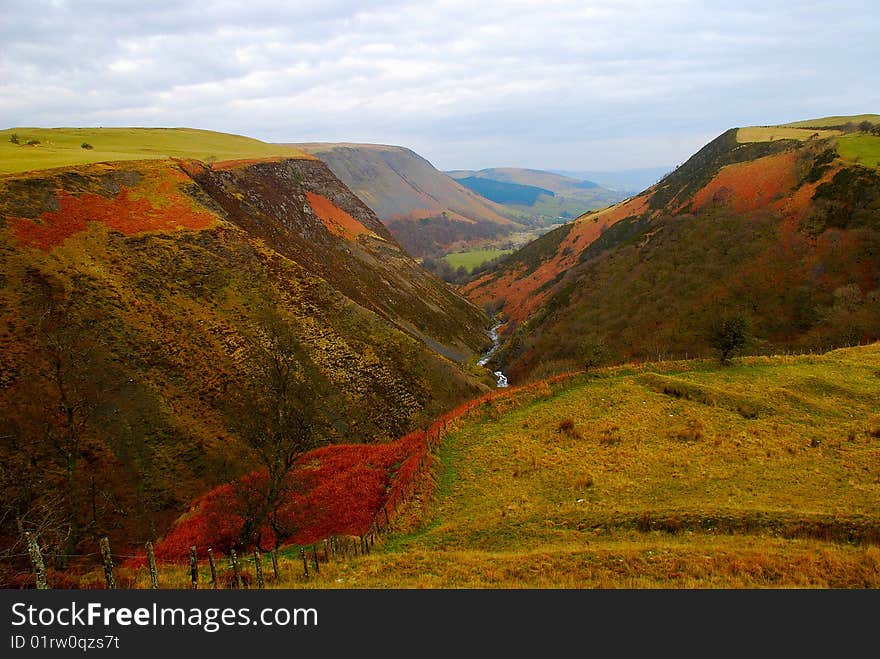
(424, 208)
(138, 296)
(505, 193)
(776, 227)
(542, 197)
(628, 180)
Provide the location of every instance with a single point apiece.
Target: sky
(467, 84)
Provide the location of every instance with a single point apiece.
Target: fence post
(236, 579)
(258, 564)
(387, 521)
(315, 556)
(108, 563)
(213, 569)
(274, 556)
(37, 561)
(302, 555)
(154, 572)
(193, 568)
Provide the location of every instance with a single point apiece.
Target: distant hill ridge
(779, 225)
(135, 293)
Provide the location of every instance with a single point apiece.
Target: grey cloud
(563, 84)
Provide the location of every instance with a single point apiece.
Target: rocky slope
(778, 226)
(426, 210)
(132, 298)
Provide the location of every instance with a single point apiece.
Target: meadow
(860, 148)
(761, 474)
(474, 258)
(46, 148)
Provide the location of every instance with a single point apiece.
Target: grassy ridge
(61, 147)
(611, 482)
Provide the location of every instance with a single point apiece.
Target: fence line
(401, 492)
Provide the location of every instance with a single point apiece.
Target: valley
(213, 342)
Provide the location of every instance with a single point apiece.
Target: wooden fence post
(193, 568)
(258, 566)
(37, 561)
(236, 579)
(274, 556)
(108, 563)
(213, 569)
(315, 556)
(302, 555)
(154, 572)
(387, 521)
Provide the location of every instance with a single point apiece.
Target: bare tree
(282, 410)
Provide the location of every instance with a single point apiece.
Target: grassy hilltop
(47, 148)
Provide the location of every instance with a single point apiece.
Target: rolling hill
(661, 475)
(536, 195)
(140, 297)
(778, 227)
(426, 211)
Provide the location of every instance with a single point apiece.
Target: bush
(14, 138)
(567, 427)
(32, 142)
(728, 335)
(86, 145)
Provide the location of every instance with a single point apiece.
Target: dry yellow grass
(683, 475)
(772, 133)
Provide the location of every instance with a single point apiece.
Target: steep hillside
(425, 210)
(778, 227)
(670, 474)
(137, 300)
(536, 195)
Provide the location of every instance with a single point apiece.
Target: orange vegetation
(748, 186)
(521, 293)
(334, 218)
(128, 212)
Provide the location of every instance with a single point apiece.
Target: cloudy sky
(466, 83)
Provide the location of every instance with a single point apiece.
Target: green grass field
(860, 148)
(474, 258)
(61, 147)
(763, 474)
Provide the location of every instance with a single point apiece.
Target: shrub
(32, 142)
(567, 427)
(14, 138)
(86, 145)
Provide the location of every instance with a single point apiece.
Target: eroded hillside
(778, 226)
(133, 296)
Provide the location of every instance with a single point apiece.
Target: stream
(493, 334)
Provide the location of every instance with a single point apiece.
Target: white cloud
(565, 84)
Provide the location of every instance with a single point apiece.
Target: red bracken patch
(750, 185)
(335, 490)
(334, 218)
(123, 213)
(521, 290)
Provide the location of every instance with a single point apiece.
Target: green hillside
(683, 474)
(777, 228)
(60, 147)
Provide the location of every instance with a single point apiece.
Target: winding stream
(493, 334)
